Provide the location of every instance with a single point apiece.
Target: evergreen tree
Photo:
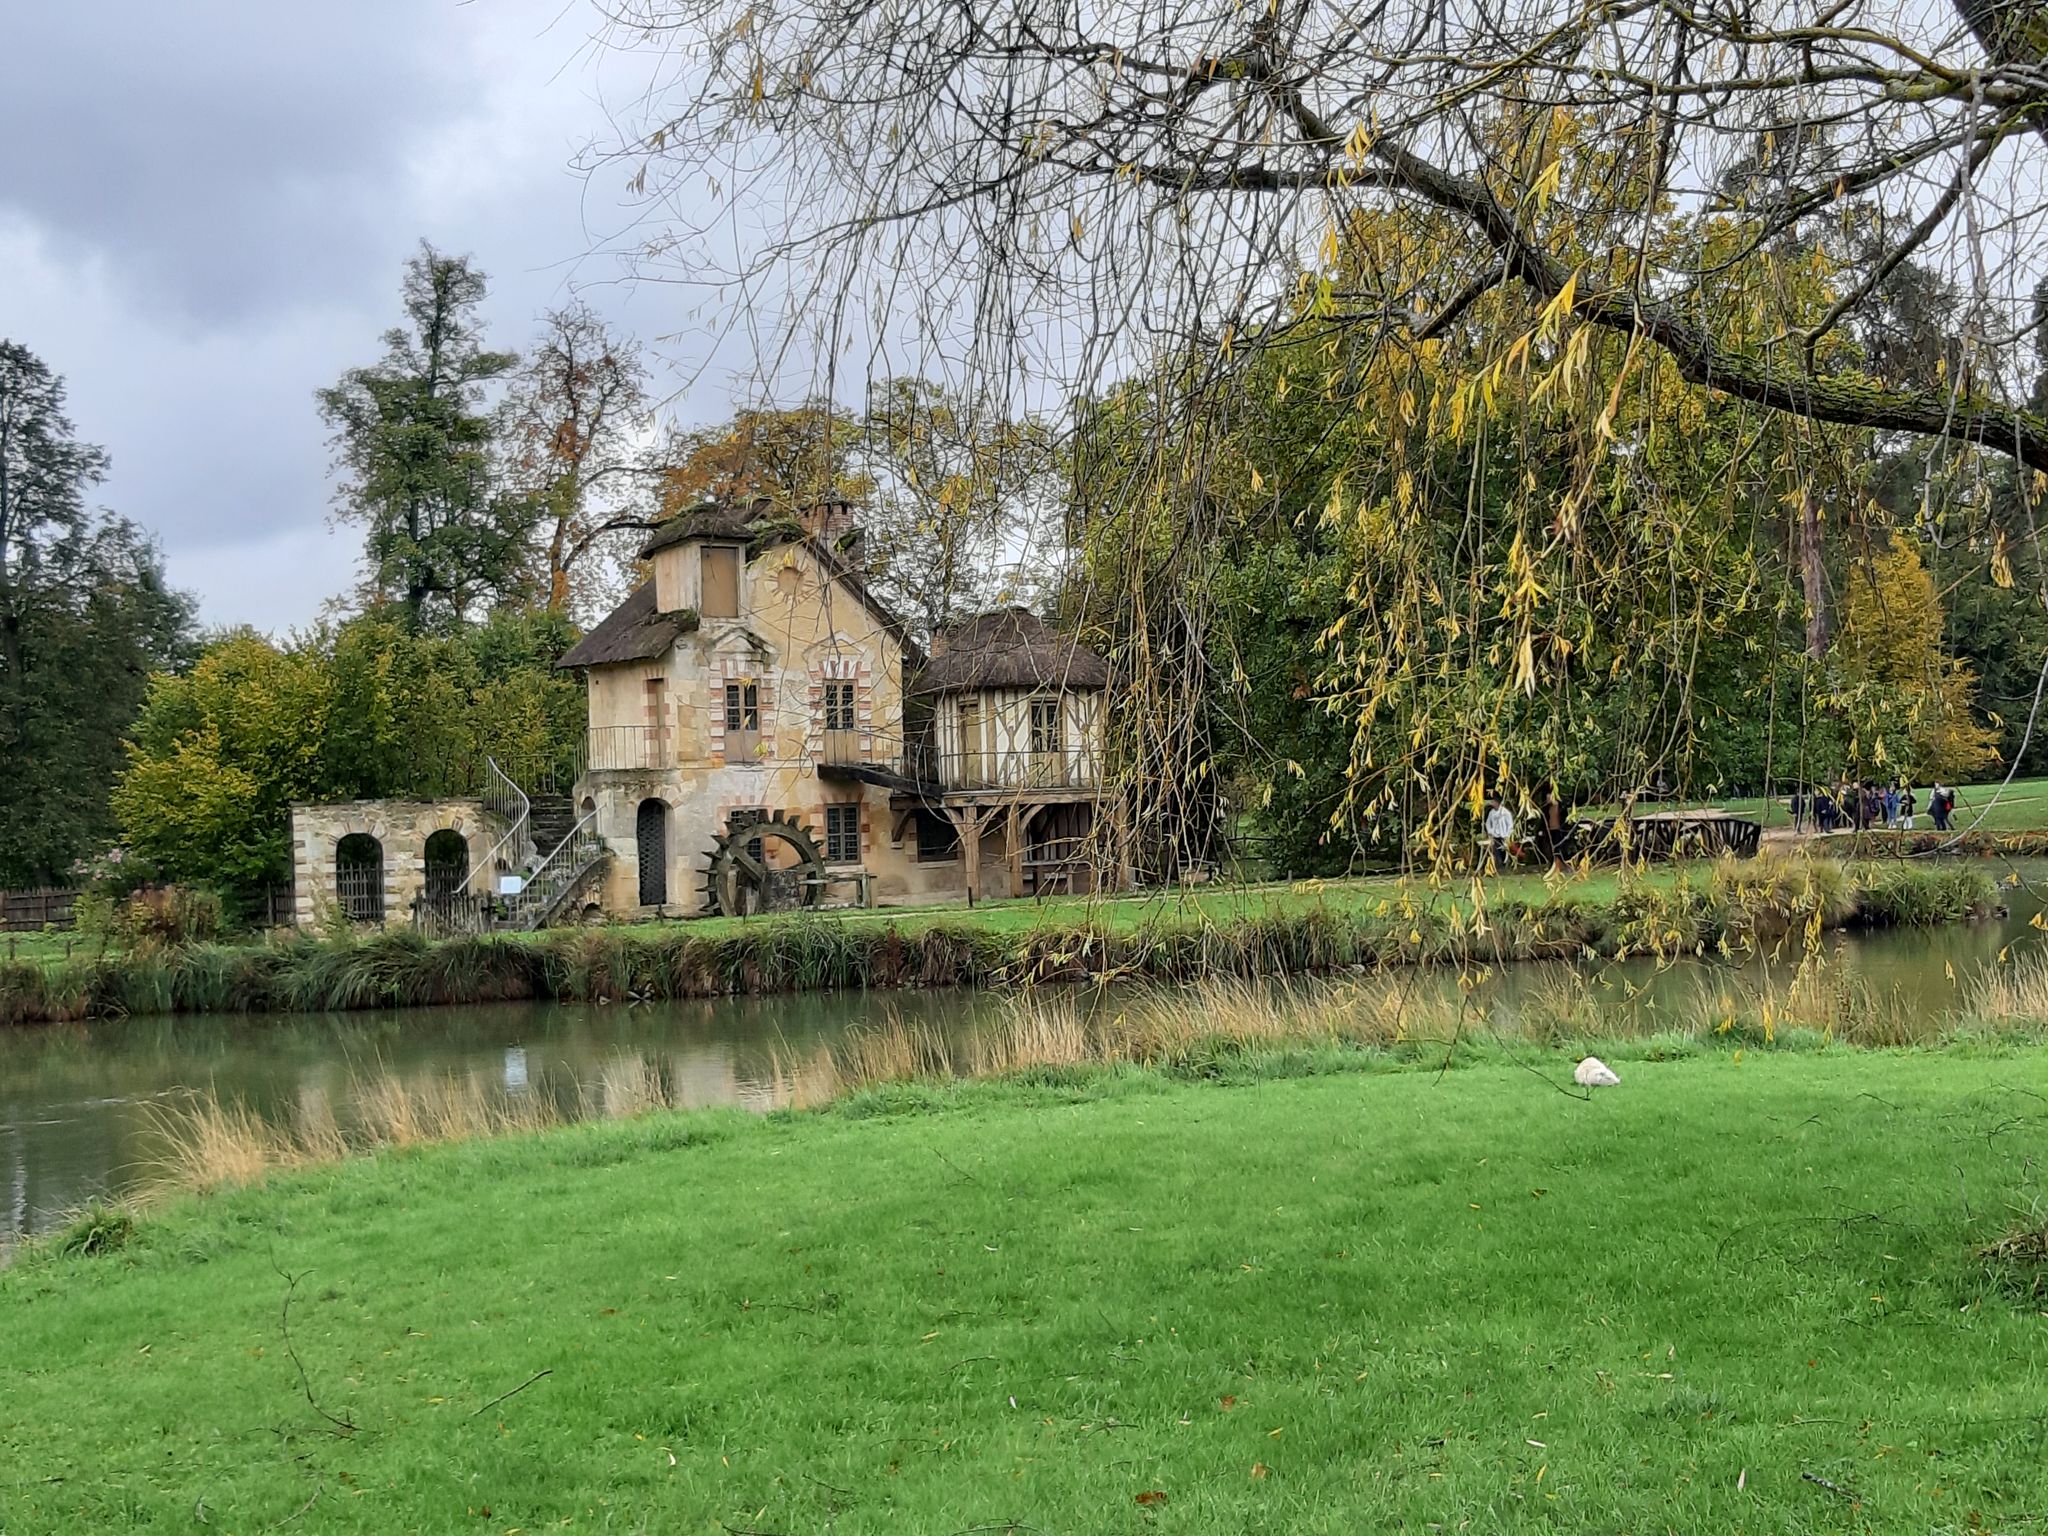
(85, 617)
(413, 437)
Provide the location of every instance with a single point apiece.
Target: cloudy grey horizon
(207, 221)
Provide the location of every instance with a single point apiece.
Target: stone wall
(401, 828)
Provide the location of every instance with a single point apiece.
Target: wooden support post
(1021, 817)
(968, 821)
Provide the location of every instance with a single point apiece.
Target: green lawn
(1230, 903)
(46, 948)
(2021, 806)
(1737, 1293)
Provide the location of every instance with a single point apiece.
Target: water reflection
(76, 1100)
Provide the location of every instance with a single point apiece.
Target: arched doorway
(359, 878)
(447, 864)
(650, 836)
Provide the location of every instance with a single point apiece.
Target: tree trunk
(1813, 576)
(10, 619)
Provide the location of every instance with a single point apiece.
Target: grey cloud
(208, 221)
(227, 155)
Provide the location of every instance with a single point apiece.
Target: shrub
(99, 1228)
(153, 915)
(1773, 894)
(2017, 1263)
(1924, 894)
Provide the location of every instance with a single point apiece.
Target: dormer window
(720, 588)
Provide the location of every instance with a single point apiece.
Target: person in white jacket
(1500, 831)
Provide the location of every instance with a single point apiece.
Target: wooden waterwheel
(788, 872)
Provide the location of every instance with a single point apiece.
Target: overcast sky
(204, 217)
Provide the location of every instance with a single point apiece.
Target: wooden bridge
(1692, 834)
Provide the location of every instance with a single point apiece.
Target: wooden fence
(31, 911)
(55, 906)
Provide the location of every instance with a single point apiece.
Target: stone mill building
(762, 732)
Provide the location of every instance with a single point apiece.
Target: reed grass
(1222, 1026)
(2011, 994)
(1765, 901)
(208, 1144)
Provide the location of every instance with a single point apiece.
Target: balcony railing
(614, 747)
(1075, 766)
(1071, 768)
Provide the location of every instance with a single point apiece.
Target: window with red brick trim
(842, 834)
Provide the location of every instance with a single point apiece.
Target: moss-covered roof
(707, 520)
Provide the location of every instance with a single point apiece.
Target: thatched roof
(1010, 648)
(759, 526)
(706, 520)
(633, 631)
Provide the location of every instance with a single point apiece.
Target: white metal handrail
(516, 839)
(555, 874)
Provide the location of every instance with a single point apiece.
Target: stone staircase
(569, 850)
(549, 819)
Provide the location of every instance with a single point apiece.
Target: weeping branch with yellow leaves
(1585, 328)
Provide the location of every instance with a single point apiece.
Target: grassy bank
(1990, 807)
(1733, 903)
(1740, 1292)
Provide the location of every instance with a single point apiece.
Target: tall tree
(578, 423)
(1162, 170)
(44, 475)
(786, 457)
(1612, 198)
(1892, 637)
(85, 617)
(960, 486)
(413, 440)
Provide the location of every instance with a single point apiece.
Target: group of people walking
(1863, 806)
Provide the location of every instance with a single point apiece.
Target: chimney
(831, 522)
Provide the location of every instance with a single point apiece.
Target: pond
(80, 1105)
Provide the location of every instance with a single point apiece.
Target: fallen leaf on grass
(1151, 1496)
(1229, 1403)
(1258, 1469)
